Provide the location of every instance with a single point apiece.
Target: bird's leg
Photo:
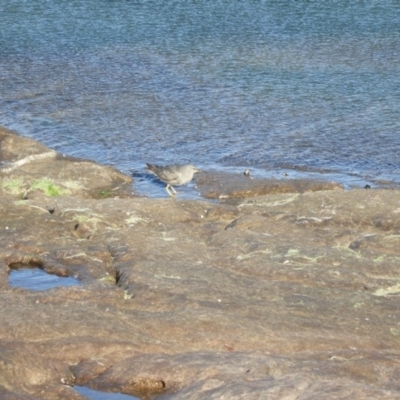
(167, 189)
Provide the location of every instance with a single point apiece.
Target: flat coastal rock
(30, 169)
(286, 295)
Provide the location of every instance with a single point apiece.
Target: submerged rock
(219, 185)
(282, 295)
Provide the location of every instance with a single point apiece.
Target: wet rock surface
(285, 295)
(219, 185)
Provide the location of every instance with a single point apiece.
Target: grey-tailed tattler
(173, 174)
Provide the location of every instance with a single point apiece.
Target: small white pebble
(219, 300)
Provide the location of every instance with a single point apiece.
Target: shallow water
(37, 279)
(306, 88)
(96, 395)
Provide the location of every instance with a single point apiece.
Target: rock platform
(290, 294)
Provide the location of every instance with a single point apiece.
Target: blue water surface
(37, 279)
(305, 87)
(96, 395)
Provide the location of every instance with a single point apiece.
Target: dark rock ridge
(285, 295)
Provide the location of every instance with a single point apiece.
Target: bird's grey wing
(156, 169)
(168, 173)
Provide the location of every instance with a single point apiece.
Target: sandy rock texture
(279, 296)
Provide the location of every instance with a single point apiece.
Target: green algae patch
(19, 186)
(102, 194)
(13, 186)
(390, 291)
(73, 185)
(133, 220)
(81, 218)
(107, 279)
(395, 331)
(48, 187)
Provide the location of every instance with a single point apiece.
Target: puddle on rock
(95, 395)
(37, 279)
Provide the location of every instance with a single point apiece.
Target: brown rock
(30, 170)
(289, 295)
